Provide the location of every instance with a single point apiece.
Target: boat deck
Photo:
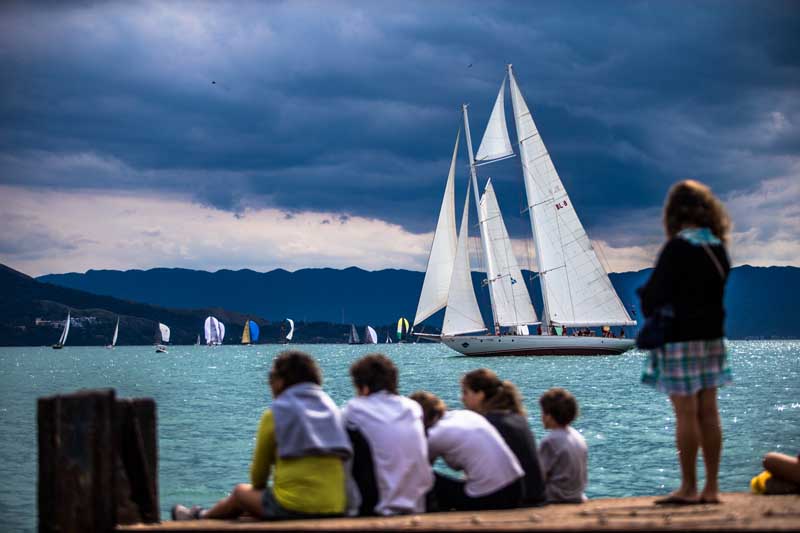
(737, 512)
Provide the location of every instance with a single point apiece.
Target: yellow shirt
(314, 484)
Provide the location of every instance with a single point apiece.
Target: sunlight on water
(210, 400)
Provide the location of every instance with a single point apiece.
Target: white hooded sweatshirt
(392, 426)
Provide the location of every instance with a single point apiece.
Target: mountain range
(760, 301)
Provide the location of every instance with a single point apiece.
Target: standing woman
(690, 277)
(501, 404)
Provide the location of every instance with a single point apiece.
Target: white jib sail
(575, 286)
(116, 333)
(433, 296)
(221, 331)
(164, 332)
(370, 336)
(63, 340)
(495, 143)
(211, 329)
(512, 303)
(462, 314)
(291, 329)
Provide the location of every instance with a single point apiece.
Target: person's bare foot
(709, 495)
(679, 497)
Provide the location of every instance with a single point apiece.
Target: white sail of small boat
(354, 338)
(291, 329)
(388, 339)
(436, 284)
(114, 337)
(63, 339)
(162, 338)
(370, 335)
(197, 342)
(214, 331)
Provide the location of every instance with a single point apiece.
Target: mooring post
(97, 462)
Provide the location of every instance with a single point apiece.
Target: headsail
(354, 338)
(164, 332)
(116, 334)
(402, 328)
(495, 143)
(462, 314)
(254, 331)
(575, 287)
(512, 303)
(291, 329)
(214, 330)
(433, 296)
(370, 335)
(63, 339)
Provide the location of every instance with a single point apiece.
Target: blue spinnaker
(253, 331)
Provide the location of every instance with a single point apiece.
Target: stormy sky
(310, 134)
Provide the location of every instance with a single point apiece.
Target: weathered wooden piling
(98, 462)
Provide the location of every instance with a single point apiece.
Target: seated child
(302, 441)
(501, 403)
(390, 462)
(563, 452)
(782, 475)
(468, 442)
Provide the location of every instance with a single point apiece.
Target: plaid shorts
(684, 368)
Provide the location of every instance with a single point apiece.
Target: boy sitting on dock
(390, 462)
(563, 452)
(303, 438)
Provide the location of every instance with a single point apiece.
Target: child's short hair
(433, 407)
(375, 371)
(560, 404)
(293, 367)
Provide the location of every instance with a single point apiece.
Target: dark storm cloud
(353, 107)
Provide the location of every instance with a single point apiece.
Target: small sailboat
(402, 329)
(250, 333)
(388, 338)
(162, 338)
(63, 339)
(354, 338)
(197, 342)
(291, 330)
(370, 335)
(214, 330)
(114, 337)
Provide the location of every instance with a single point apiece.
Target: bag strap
(715, 260)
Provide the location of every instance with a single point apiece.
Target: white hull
(489, 345)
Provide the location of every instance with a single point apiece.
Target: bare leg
(783, 466)
(710, 441)
(243, 499)
(687, 438)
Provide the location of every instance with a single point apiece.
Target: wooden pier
(98, 473)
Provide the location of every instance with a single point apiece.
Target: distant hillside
(760, 301)
(26, 301)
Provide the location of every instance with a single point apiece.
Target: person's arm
(264, 453)
(547, 458)
(661, 286)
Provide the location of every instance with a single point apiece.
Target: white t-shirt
(564, 457)
(467, 441)
(392, 425)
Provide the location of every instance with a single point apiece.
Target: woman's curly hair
(691, 203)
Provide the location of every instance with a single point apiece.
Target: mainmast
(484, 237)
(536, 244)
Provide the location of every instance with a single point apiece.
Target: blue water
(210, 400)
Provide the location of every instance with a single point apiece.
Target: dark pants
(448, 495)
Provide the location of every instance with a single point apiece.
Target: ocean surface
(210, 400)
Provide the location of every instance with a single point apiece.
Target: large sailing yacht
(576, 290)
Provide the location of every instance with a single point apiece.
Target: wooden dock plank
(737, 512)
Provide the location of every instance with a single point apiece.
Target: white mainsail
(512, 303)
(164, 332)
(462, 314)
(575, 287)
(370, 335)
(495, 143)
(354, 338)
(116, 333)
(63, 339)
(291, 329)
(433, 296)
